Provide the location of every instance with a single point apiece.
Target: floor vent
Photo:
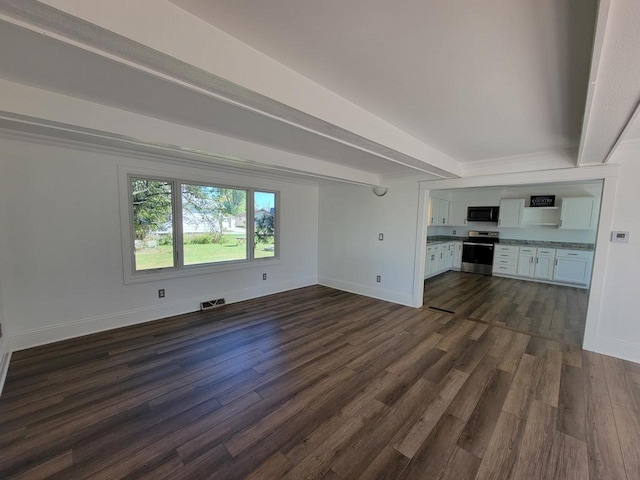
(442, 310)
(209, 304)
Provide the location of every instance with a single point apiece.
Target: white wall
(619, 328)
(350, 254)
(3, 235)
(62, 273)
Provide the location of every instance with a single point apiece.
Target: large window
(178, 226)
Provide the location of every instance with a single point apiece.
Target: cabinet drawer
(527, 250)
(507, 249)
(506, 269)
(546, 252)
(502, 255)
(505, 261)
(578, 254)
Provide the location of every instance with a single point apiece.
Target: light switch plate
(620, 237)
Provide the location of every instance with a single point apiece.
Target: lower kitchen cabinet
(544, 264)
(572, 266)
(536, 263)
(457, 256)
(442, 257)
(505, 259)
(526, 262)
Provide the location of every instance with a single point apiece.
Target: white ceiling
(49, 64)
(476, 80)
(358, 90)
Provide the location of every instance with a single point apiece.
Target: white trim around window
(179, 269)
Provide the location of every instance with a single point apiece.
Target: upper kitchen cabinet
(576, 213)
(438, 211)
(511, 211)
(457, 213)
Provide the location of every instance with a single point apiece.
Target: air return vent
(209, 304)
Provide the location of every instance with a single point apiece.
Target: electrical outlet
(161, 293)
(378, 278)
(454, 232)
(381, 236)
(264, 276)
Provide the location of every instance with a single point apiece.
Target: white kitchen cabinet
(573, 266)
(434, 211)
(443, 212)
(511, 211)
(442, 258)
(544, 263)
(457, 256)
(457, 213)
(430, 261)
(505, 259)
(438, 211)
(536, 263)
(526, 262)
(577, 213)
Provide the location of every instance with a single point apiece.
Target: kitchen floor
(539, 309)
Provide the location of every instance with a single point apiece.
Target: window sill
(157, 275)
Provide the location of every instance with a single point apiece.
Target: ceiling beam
(614, 80)
(162, 38)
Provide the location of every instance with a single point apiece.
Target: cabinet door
(449, 257)
(434, 260)
(572, 270)
(433, 263)
(544, 268)
(526, 263)
(576, 213)
(511, 211)
(457, 213)
(457, 255)
(444, 212)
(544, 263)
(442, 260)
(434, 211)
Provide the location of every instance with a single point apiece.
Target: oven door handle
(478, 244)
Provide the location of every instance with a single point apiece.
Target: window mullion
(250, 225)
(178, 244)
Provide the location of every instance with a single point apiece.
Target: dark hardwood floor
(318, 383)
(551, 311)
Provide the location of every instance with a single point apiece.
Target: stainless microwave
(483, 214)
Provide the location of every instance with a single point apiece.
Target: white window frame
(131, 275)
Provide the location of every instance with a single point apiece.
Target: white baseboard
(367, 291)
(539, 280)
(78, 328)
(5, 358)
(618, 348)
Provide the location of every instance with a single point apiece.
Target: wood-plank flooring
(550, 311)
(318, 383)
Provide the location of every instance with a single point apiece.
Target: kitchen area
(520, 256)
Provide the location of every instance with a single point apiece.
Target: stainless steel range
(477, 252)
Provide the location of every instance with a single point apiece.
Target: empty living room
(342, 240)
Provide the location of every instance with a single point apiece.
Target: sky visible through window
(264, 200)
